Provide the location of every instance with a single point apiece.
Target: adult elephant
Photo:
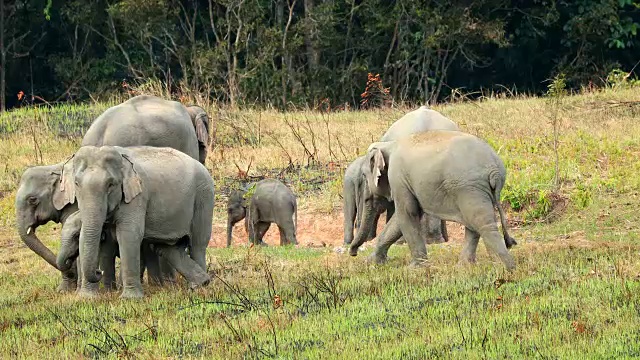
(152, 121)
(449, 174)
(417, 121)
(158, 194)
(141, 120)
(35, 206)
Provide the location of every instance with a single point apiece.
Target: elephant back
(145, 121)
(417, 121)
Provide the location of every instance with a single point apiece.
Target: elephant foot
(376, 259)
(418, 263)
(87, 294)
(466, 260)
(110, 286)
(67, 286)
(353, 251)
(132, 294)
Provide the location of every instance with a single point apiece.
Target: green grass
(575, 292)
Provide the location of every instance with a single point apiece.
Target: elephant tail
(295, 219)
(496, 181)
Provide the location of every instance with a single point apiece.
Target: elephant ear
(200, 123)
(377, 165)
(64, 191)
(202, 129)
(131, 182)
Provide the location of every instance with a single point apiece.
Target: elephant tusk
(29, 230)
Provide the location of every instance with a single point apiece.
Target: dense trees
(303, 52)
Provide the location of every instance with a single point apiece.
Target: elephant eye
(32, 200)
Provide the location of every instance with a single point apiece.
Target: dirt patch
(314, 230)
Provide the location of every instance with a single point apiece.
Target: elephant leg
(69, 280)
(431, 229)
(152, 264)
(129, 237)
(478, 214)
(350, 215)
(443, 230)
(167, 271)
(287, 227)
(108, 252)
(468, 254)
(374, 229)
(408, 213)
(200, 230)
(390, 209)
(187, 267)
(389, 235)
(260, 230)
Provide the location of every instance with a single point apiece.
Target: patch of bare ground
(314, 230)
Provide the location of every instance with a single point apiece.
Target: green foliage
(618, 78)
(250, 52)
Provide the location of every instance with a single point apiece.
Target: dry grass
(574, 294)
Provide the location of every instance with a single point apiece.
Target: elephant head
(38, 193)
(200, 122)
(69, 244)
(374, 171)
(236, 211)
(101, 178)
(375, 167)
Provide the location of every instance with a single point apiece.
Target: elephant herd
(137, 189)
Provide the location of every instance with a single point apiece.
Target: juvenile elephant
(152, 121)
(448, 174)
(271, 202)
(353, 202)
(417, 121)
(67, 259)
(159, 194)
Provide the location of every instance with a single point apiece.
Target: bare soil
(314, 230)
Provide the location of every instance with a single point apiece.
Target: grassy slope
(575, 292)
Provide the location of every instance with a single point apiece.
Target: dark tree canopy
(304, 52)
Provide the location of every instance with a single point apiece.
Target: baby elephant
(271, 202)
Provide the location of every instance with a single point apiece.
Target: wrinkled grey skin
(420, 120)
(69, 250)
(448, 174)
(159, 194)
(271, 202)
(200, 121)
(150, 121)
(34, 207)
(353, 202)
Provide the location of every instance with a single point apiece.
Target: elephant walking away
(449, 174)
(417, 121)
(158, 194)
(271, 202)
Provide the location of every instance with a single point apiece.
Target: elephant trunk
(28, 236)
(229, 230)
(92, 222)
(368, 223)
(68, 251)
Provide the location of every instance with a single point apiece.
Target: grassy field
(575, 293)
